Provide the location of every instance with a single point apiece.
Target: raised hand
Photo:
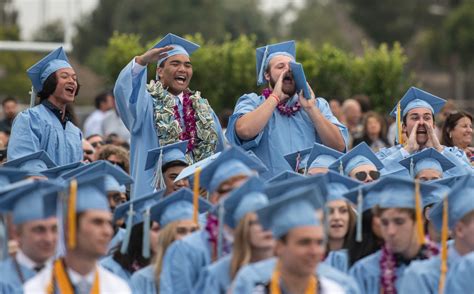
(153, 55)
(412, 145)
(433, 140)
(277, 90)
(307, 104)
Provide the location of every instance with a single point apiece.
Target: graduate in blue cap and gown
(34, 164)
(360, 163)
(85, 230)
(399, 208)
(148, 110)
(36, 230)
(280, 121)
(454, 213)
(341, 219)
(321, 158)
(175, 215)
(460, 278)
(414, 115)
(185, 258)
(168, 162)
(292, 217)
(427, 165)
(251, 242)
(133, 248)
(48, 126)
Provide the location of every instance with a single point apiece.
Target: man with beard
(281, 121)
(165, 111)
(415, 118)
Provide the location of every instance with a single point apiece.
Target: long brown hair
(166, 236)
(350, 228)
(242, 249)
(449, 125)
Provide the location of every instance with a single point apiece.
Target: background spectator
(115, 155)
(335, 105)
(374, 132)
(103, 102)
(113, 124)
(10, 110)
(457, 131)
(352, 115)
(88, 151)
(96, 141)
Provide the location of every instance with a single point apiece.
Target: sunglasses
(97, 144)
(362, 175)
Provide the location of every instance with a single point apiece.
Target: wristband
(276, 98)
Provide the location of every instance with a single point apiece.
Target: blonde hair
(242, 249)
(166, 236)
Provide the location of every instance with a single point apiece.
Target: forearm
(251, 124)
(327, 131)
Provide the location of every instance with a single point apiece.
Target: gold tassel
(419, 214)
(311, 288)
(71, 215)
(444, 247)
(399, 124)
(196, 188)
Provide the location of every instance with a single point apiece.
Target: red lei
(282, 108)
(189, 130)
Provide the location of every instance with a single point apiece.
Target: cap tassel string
(32, 97)
(298, 161)
(158, 179)
(71, 215)
(220, 225)
(146, 233)
(341, 168)
(419, 214)
(359, 216)
(444, 247)
(399, 124)
(128, 230)
(196, 189)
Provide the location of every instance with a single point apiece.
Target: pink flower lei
(388, 265)
(189, 132)
(282, 108)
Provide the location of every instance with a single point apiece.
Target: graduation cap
(115, 177)
(427, 159)
(338, 185)
(33, 163)
(137, 211)
(231, 162)
(299, 159)
(25, 201)
(283, 176)
(359, 155)
(400, 171)
(56, 172)
(276, 190)
(10, 175)
(247, 198)
(322, 156)
(300, 79)
(180, 46)
(292, 210)
(266, 53)
(415, 98)
(160, 156)
(190, 170)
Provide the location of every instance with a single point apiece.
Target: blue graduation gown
(260, 273)
(116, 240)
(111, 265)
(282, 134)
(391, 156)
(183, 262)
(143, 281)
(366, 272)
(9, 275)
(215, 278)
(8, 289)
(37, 129)
(135, 107)
(422, 276)
(339, 260)
(459, 279)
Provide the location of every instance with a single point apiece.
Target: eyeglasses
(97, 144)
(120, 164)
(185, 230)
(362, 175)
(89, 152)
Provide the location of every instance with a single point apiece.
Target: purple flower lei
(212, 227)
(388, 265)
(189, 131)
(282, 108)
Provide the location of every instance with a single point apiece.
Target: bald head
(352, 111)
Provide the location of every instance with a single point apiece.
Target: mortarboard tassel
(128, 230)
(158, 179)
(220, 225)
(146, 233)
(71, 215)
(419, 214)
(298, 161)
(412, 168)
(196, 188)
(360, 200)
(32, 97)
(61, 213)
(444, 247)
(341, 168)
(3, 238)
(399, 124)
(260, 72)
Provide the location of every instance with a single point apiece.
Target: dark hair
(133, 256)
(49, 86)
(224, 117)
(93, 135)
(449, 124)
(171, 164)
(383, 128)
(101, 98)
(404, 119)
(370, 242)
(9, 99)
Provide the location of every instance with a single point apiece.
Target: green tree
(50, 32)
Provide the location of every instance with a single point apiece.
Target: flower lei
(199, 125)
(388, 265)
(282, 108)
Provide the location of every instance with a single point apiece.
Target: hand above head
(412, 145)
(153, 55)
(433, 140)
(307, 104)
(277, 90)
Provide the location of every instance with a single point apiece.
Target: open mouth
(288, 78)
(180, 79)
(70, 89)
(421, 130)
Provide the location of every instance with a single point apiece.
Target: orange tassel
(444, 247)
(196, 188)
(419, 214)
(275, 283)
(399, 124)
(71, 215)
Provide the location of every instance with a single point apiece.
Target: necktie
(38, 267)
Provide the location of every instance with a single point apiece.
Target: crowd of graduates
(289, 199)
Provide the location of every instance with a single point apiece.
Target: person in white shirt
(103, 102)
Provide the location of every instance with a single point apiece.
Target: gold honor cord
(71, 215)
(399, 124)
(196, 188)
(275, 283)
(444, 247)
(64, 285)
(419, 214)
